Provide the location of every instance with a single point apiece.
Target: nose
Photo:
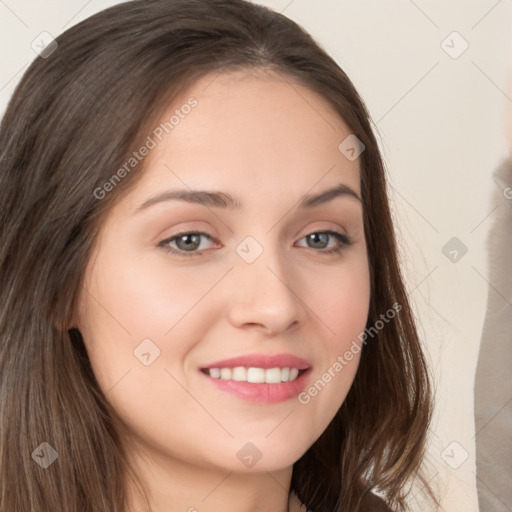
(266, 295)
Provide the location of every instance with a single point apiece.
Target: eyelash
(344, 240)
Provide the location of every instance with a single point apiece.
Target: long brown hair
(78, 113)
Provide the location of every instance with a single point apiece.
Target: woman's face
(163, 314)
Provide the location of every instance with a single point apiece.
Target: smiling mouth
(255, 375)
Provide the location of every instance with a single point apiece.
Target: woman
(173, 338)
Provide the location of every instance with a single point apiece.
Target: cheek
(342, 299)
(343, 305)
(128, 302)
(149, 300)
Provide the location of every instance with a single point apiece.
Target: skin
(253, 135)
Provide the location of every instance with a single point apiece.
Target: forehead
(249, 131)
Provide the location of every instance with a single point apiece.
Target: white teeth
(239, 373)
(273, 375)
(215, 373)
(255, 375)
(225, 373)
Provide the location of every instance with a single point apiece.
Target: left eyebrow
(341, 190)
(225, 200)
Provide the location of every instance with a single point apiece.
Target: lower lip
(262, 393)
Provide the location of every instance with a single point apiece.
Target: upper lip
(262, 361)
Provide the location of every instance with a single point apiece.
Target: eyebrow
(223, 200)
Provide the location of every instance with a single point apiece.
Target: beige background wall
(439, 112)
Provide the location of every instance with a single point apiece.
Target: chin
(273, 453)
